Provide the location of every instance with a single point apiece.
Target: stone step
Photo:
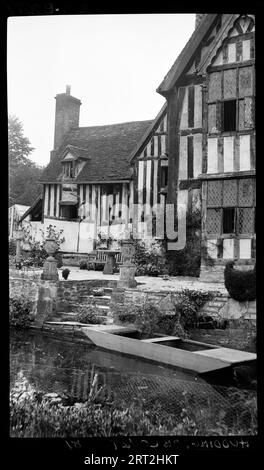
(210, 310)
(100, 300)
(108, 290)
(216, 303)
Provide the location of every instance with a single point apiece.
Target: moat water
(50, 365)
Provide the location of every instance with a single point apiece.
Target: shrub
(187, 262)
(127, 317)
(148, 258)
(12, 247)
(19, 312)
(241, 285)
(89, 314)
(187, 306)
(149, 319)
(83, 264)
(65, 273)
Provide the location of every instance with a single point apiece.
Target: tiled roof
(107, 147)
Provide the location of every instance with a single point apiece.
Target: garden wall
(221, 306)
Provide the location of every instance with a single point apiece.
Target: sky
(114, 64)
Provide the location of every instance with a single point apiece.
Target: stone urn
(50, 271)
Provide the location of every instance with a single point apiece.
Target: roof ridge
(113, 124)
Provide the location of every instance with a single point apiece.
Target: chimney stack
(198, 19)
(66, 115)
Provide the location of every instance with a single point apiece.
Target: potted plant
(65, 273)
(102, 241)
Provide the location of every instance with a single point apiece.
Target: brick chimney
(198, 19)
(66, 115)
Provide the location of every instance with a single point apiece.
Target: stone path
(147, 283)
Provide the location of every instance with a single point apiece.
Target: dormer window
(73, 161)
(69, 169)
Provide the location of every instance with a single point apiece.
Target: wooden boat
(170, 350)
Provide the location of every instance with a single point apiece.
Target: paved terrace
(147, 283)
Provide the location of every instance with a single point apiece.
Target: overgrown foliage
(149, 257)
(187, 262)
(23, 173)
(37, 253)
(149, 319)
(90, 314)
(83, 264)
(35, 414)
(241, 285)
(19, 312)
(12, 247)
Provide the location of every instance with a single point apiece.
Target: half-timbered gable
(210, 91)
(149, 161)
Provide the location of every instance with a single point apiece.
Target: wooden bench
(99, 257)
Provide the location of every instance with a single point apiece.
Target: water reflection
(68, 368)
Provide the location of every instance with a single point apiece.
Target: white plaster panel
(231, 48)
(219, 59)
(246, 49)
(148, 181)
(155, 182)
(183, 158)
(149, 148)
(198, 106)
(86, 236)
(46, 197)
(163, 144)
(245, 248)
(212, 156)
(184, 113)
(197, 154)
(165, 123)
(228, 248)
(228, 154)
(156, 148)
(244, 152)
(52, 195)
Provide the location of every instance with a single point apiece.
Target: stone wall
(28, 285)
(220, 307)
(41, 294)
(73, 294)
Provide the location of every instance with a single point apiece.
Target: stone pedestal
(18, 251)
(127, 275)
(110, 264)
(50, 271)
(46, 304)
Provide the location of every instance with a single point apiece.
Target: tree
(23, 173)
(19, 147)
